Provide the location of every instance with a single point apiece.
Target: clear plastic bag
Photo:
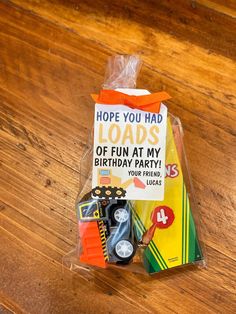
(122, 71)
(140, 236)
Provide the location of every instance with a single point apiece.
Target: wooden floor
(52, 56)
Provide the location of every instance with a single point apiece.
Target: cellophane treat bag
(136, 208)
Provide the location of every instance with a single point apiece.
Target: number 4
(161, 216)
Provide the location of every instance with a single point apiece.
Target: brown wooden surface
(52, 56)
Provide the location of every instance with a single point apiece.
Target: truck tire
(120, 214)
(124, 250)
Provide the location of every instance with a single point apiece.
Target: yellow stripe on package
(167, 227)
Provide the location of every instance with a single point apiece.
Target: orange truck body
(92, 246)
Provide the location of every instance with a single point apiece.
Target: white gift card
(129, 152)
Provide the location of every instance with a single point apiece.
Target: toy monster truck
(106, 232)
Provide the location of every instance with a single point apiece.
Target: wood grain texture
(52, 56)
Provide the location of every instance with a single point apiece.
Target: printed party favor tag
(129, 152)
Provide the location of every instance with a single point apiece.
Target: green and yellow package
(167, 227)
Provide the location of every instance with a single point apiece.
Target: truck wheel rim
(124, 249)
(121, 215)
